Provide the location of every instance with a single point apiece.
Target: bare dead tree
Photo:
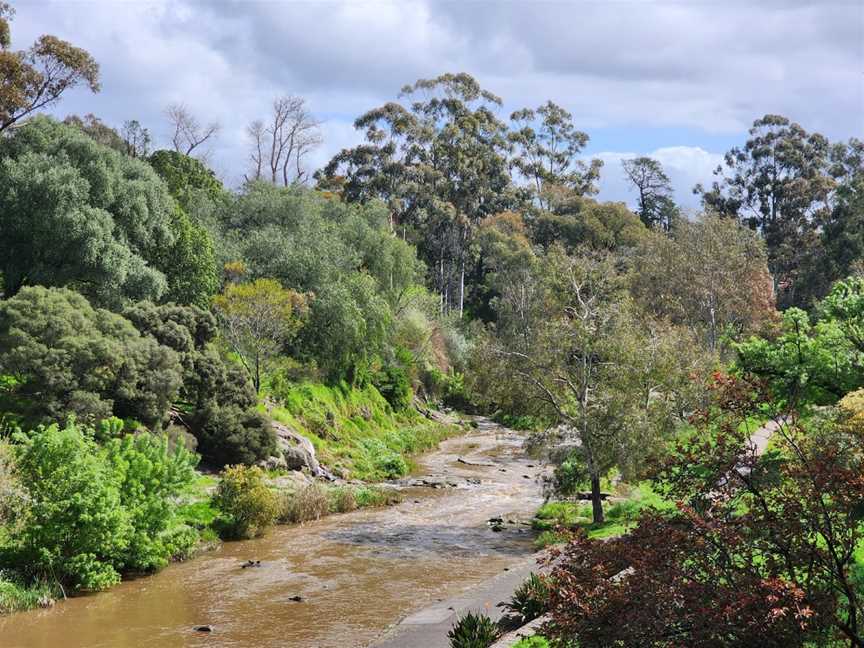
(188, 134)
(255, 132)
(280, 145)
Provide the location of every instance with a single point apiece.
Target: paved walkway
(428, 628)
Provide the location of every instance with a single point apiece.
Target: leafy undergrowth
(555, 518)
(355, 431)
(532, 642)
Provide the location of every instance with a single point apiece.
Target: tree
(188, 179)
(36, 78)
(348, 326)
(573, 345)
(842, 233)
(280, 145)
(190, 264)
(439, 165)
(258, 320)
(778, 184)
(67, 358)
(574, 221)
(709, 274)
(188, 133)
(216, 402)
(647, 176)
(136, 138)
(548, 148)
(112, 213)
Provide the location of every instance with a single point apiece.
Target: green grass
(355, 431)
(16, 596)
(620, 516)
(532, 642)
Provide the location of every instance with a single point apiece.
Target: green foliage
(217, 393)
(347, 326)
(78, 214)
(70, 359)
(393, 384)
(806, 363)
(93, 512)
(16, 594)
(228, 433)
(473, 631)
(354, 429)
(148, 475)
(530, 600)
(247, 504)
(189, 264)
(187, 179)
(532, 642)
(258, 320)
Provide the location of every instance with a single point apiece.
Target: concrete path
(428, 628)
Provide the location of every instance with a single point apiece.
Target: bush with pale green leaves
(96, 511)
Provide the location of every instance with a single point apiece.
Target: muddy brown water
(357, 573)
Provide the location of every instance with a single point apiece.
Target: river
(356, 573)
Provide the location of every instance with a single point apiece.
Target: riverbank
(355, 574)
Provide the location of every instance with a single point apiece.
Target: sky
(679, 80)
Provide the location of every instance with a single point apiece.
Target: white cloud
(702, 68)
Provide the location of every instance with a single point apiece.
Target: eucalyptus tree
(656, 208)
(779, 184)
(547, 151)
(36, 78)
(440, 165)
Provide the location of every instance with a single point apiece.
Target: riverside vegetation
(167, 344)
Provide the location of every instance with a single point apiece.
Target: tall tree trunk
(462, 285)
(596, 501)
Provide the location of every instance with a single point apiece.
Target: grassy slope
(355, 431)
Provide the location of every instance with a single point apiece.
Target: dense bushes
(66, 358)
(70, 359)
(93, 512)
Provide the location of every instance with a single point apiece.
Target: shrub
(308, 503)
(246, 503)
(11, 490)
(148, 476)
(16, 595)
(93, 512)
(473, 631)
(394, 385)
(366, 496)
(388, 464)
(230, 434)
(530, 600)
